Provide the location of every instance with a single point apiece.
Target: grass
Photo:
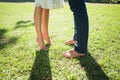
(20, 59)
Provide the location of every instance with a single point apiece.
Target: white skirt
(49, 4)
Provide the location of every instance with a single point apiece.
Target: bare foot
(41, 45)
(72, 54)
(48, 40)
(70, 42)
(44, 48)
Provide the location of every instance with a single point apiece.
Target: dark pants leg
(78, 8)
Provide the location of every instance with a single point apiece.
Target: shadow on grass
(2, 32)
(92, 68)
(41, 67)
(6, 41)
(23, 24)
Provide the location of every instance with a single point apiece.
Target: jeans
(81, 25)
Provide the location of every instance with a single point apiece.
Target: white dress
(49, 4)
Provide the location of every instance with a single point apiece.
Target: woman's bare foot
(47, 39)
(44, 48)
(70, 42)
(41, 45)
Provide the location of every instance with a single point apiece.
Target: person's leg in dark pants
(81, 24)
(78, 8)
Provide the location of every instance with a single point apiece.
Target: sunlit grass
(20, 60)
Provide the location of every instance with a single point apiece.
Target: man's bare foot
(70, 42)
(72, 54)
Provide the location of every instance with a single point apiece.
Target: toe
(66, 54)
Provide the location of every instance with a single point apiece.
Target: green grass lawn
(20, 59)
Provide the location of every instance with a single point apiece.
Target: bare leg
(45, 21)
(37, 21)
